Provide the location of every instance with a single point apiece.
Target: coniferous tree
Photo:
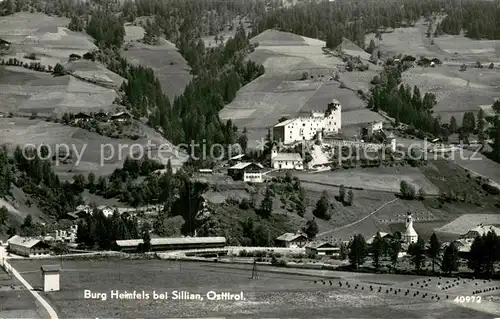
(311, 229)
(357, 251)
(450, 259)
(377, 249)
(434, 249)
(417, 253)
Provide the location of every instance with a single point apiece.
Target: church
(410, 236)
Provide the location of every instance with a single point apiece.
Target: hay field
(280, 92)
(26, 91)
(385, 179)
(16, 301)
(462, 224)
(457, 92)
(47, 37)
(169, 66)
(272, 295)
(22, 131)
(94, 72)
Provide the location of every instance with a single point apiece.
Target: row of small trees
(484, 253)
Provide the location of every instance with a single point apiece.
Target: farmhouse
(306, 128)
(410, 236)
(121, 116)
(323, 248)
(291, 240)
(382, 234)
(480, 230)
(106, 210)
(371, 128)
(27, 246)
(4, 45)
(101, 117)
(248, 172)
(81, 117)
(286, 160)
(173, 243)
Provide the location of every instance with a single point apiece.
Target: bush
(492, 190)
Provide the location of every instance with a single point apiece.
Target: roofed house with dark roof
(323, 248)
(248, 172)
(292, 240)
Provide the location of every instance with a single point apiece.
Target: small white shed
(51, 277)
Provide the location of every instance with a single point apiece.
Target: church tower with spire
(410, 235)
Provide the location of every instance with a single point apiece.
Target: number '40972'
(468, 299)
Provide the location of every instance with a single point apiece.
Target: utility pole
(254, 270)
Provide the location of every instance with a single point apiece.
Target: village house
(121, 116)
(67, 236)
(286, 160)
(372, 128)
(480, 230)
(248, 172)
(306, 128)
(383, 235)
(81, 117)
(27, 246)
(101, 117)
(106, 210)
(172, 243)
(291, 240)
(4, 45)
(322, 249)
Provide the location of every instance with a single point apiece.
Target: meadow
(281, 91)
(22, 131)
(169, 66)
(16, 301)
(274, 293)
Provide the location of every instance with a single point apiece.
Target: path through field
(358, 221)
(52, 313)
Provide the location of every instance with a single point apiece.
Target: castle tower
(333, 117)
(274, 152)
(410, 235)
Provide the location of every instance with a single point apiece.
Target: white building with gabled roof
(307, 127)
(286, 160)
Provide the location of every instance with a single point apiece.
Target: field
(274, 293)
(26, 92)
(91, 146)
(169, 66)
(457, 92)
(16, 301)
(281, 92)
(386, 179)
(465, 222)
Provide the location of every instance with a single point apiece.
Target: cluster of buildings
(120, 117)
(306, 128)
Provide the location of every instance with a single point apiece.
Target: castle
(306, 128)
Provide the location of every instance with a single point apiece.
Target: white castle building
(306, 128)
(410, 236)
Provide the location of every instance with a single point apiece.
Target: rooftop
(172, 241)
(287, 157)
(27, 242)
(240, 156)
(244, 165)
(322, 244)
(485, 229)
(285, 123)
(51, 268)
(290, 237)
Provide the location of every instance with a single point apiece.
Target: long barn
(173, 243)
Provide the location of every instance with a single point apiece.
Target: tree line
(481, 260)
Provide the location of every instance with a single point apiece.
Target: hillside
(283, 91)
